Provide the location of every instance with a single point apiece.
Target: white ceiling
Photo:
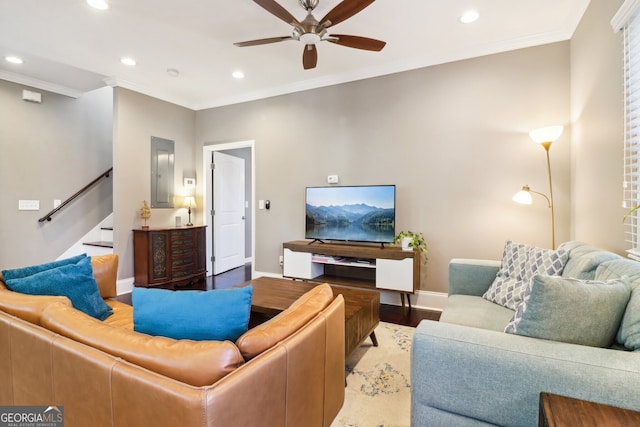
(70, 48)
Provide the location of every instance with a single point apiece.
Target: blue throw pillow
(197, 315)
(19, 273)
(74, 281)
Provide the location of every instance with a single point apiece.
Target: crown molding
(40, 84)
(622, 16)
(361, 74)
(149, 91)
(393, 68)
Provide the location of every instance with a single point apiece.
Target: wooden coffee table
(361, 306)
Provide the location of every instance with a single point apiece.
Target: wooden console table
(361, 266)
(170, 258)
(562, 411)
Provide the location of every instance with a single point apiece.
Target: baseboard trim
(265, 274)
(124, 286)
(427, 300)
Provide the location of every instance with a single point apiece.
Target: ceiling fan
(310, 31)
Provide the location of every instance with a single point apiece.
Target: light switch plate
(31, 96)
(332, 179)
(28, 205)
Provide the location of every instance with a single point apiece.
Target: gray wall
(50, 151)
(136, 119)
(453, 138)
(598, 132)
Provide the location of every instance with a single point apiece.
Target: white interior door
(228, 212)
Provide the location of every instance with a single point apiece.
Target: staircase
(98, 241)
(106, 239)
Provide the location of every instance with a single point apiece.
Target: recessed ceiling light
(98, 4)
(128, 61)
(237, 75)
(469, 17)
(13, 59)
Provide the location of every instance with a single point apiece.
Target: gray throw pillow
(520, 263)
(583, 312)
(629, 332)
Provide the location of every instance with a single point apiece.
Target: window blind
(631, 182)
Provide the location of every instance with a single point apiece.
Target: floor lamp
(545, 137)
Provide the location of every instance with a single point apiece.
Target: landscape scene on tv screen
(359, 214)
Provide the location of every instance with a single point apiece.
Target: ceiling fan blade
(263, 41)
(274, 8)
(357, 42)
(309, 56)
(344, 10)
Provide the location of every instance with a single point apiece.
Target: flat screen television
(365, 213)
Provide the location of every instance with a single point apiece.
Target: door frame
(207, 173)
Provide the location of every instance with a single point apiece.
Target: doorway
(223, 248)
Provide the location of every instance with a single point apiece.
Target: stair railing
(103, 175)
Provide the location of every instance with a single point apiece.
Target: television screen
(359, 213)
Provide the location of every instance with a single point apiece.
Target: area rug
(378, 392)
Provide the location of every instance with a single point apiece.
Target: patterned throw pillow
(520, 263)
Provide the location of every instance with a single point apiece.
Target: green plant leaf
(417, 241)
(630, 213)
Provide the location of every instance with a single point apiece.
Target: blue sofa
(465, 371)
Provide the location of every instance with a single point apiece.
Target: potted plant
(410, 240)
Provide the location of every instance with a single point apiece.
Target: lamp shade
(523, 196)
(190, 202)
(546, 134)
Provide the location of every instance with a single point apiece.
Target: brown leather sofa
(289, 371)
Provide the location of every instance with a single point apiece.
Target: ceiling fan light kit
(309, 38)
(311, 31)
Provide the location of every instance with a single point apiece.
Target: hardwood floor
(388, 313)
(229, 278)
(403, 316)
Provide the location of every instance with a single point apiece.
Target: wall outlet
(281, 261)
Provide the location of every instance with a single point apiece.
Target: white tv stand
(384, 268)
